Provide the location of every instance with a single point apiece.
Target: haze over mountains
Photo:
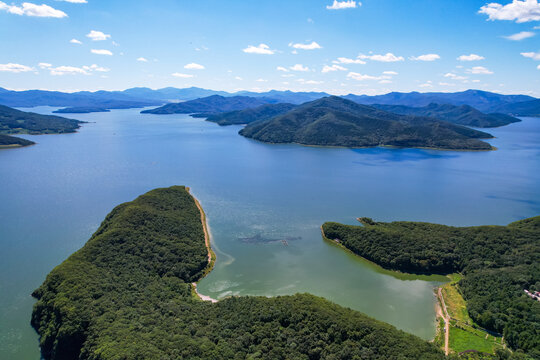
(521, 105)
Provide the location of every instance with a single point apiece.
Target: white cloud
(299, 67)
(426, 57)
(72, 70)
(339, 5)
(426, 85)
(238, 78)
(520, 36)
(344, 60)
(141, 59)
(454, 76)
(538, 67)
(30, 9)
(390, 73)
(97, 35)
(15, 68)
(310, 82)
(180, 75)
(95, 67)
(281, 68)
(388, 57)
(479, 70)
(471, 57)
(101, 52)
(519, 11)
(262, 49)
(261, 80)
(194, 66)
(385, 81)
(75, 41)
(446, 84)
(75, 1)
(68, 70)
(311, 46)
(334, 67)
(362, 77)
(531, 55)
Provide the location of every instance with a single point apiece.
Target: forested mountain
(14, 121)
(333, 121)
(12, 141)
(499, 263)
(481, 100)
(240, 117)
(461, 115)
(127, 295)
(210, 105)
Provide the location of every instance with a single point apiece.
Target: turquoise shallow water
(55, 194)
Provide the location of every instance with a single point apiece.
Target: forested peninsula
(126, 294)
(334, 121)
(13, 121)
(7, 141)
(498, 264)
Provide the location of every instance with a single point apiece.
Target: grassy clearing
(463, 333)
(455, 304)
(461, 340)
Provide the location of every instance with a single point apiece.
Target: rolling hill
(241, 117)
(210, 105)
(333, 121)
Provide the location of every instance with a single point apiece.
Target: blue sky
(367, 47)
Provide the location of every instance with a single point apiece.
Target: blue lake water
(54, 195)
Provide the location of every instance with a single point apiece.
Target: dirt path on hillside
(446, 318)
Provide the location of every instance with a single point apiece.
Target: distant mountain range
(461, 115)
(480, 100)
(334, 121)
(484, 101)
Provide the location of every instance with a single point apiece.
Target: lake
(265, 204)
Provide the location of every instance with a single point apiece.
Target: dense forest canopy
(127, 295)
(14, 121)
(499, 263)
(334, 121)
(247, 116)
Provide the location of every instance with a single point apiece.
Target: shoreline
(493, 148)
(211, 253)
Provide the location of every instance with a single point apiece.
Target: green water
(54, 195)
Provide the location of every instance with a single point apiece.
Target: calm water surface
(54, 195)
